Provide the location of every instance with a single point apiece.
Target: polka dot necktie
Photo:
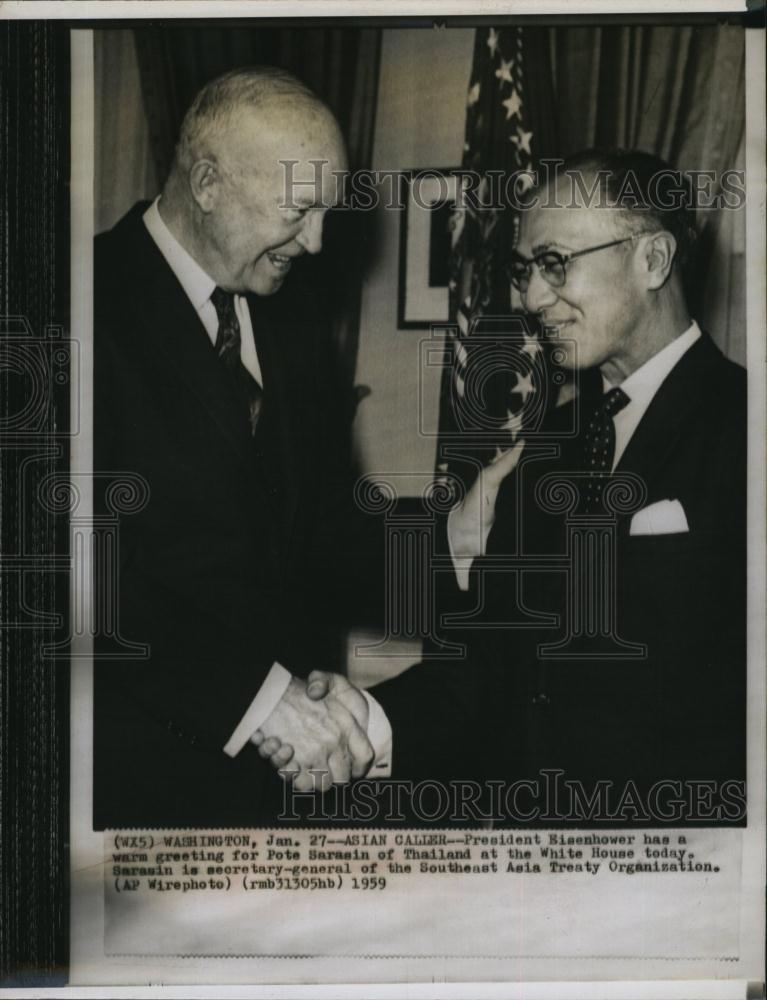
(599, 447)
(228, 349)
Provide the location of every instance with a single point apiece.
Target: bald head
(262, 93)
(258, 163)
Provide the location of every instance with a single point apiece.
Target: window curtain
(339, 64)
(121, 127)
(679, 92)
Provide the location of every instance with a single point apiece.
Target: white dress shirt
(642, 385)
(198, 287)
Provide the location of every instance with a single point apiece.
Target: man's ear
(657, 256)
(204, 182)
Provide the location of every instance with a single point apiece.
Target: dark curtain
(341, 65)
(677, 91)
(672, 90)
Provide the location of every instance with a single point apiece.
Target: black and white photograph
(597, 621)
(389, 480)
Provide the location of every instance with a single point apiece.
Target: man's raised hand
(470, 521)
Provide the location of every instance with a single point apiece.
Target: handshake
(317, 733)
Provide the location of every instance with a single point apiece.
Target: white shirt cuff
(274, 687)
(380, 735)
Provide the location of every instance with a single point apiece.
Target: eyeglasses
(552, 266)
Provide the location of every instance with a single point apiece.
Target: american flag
(493, 361)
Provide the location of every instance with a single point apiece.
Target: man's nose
(310, 236)
(539, 294)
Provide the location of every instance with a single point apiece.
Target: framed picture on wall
(425, 241)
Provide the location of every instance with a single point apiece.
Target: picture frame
(425, 246)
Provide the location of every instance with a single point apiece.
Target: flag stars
(513, 106)
(524, 385)
(503, 73)
(522, 140)
(473, 95)
(531, 346)
(492, 41)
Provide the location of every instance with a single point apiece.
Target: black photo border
(35, 288)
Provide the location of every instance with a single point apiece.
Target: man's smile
(280, 261)
(555, 325)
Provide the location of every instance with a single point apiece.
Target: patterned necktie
(599, 447)
(228, 350)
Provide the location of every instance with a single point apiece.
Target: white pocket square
(666, 517)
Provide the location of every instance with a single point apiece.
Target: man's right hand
(317, 742)
(470, 522)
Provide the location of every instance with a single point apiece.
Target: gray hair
(217, 104)
(661, 197)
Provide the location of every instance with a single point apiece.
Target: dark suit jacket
(511, 709)
(218, 573)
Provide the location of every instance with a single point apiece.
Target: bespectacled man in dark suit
(627, 666)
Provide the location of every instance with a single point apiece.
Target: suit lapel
(682, 393)
(178, 333)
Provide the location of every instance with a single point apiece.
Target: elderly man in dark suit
(217, 395)
(622, 660)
